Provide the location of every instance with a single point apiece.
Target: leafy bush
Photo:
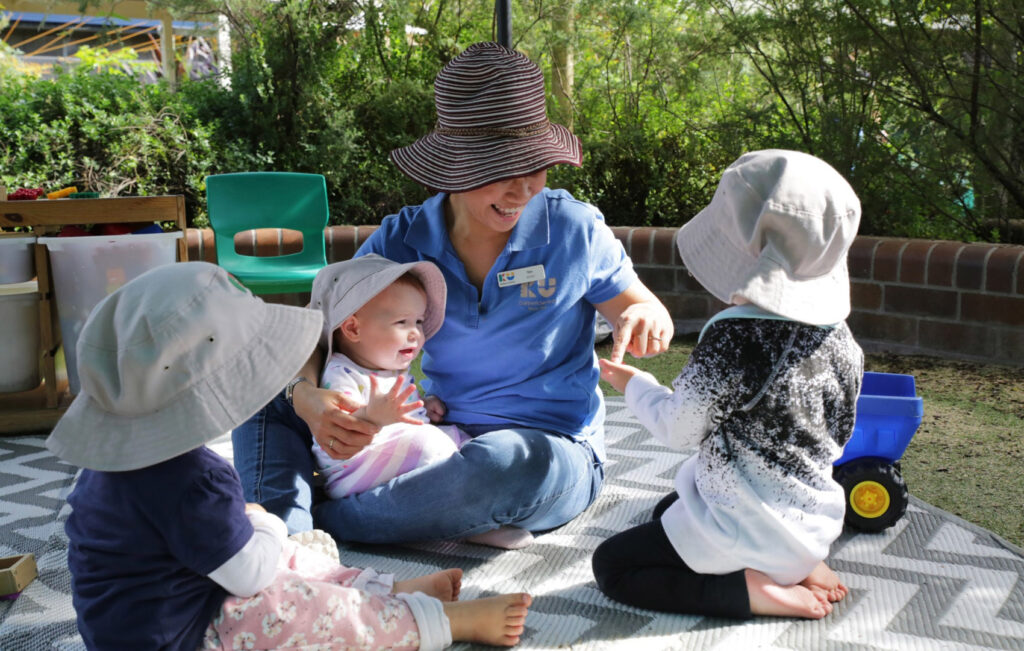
(666, 96)
(101, 131)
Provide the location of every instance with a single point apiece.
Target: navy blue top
(141, 545)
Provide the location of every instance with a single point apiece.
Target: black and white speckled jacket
(770, 403)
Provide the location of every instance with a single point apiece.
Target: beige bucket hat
(174, 359)
(777, 233)
(340, 289)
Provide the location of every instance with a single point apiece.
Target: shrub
(101, 131)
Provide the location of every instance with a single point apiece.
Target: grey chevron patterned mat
(931, 582)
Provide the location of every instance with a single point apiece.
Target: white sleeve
(254, 566)
(678, 419)
(431, 621)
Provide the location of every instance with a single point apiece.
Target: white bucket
(19, 354)
(17, 260)
(87, 269)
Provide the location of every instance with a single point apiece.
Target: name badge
(520, 276)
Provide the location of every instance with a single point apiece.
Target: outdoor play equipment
(888, 413)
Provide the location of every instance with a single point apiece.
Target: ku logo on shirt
(538, 295)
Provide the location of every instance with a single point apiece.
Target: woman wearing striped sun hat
(527, 269)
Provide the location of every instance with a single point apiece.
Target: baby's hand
(391, 407)
(436, 409)
(616, 374)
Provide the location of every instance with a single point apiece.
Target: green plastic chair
(287, 200)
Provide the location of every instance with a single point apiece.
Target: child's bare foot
(492, 620)
(823, 580)
(443, 585)
(769, 598)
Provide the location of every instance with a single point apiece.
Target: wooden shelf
(28, 412)
(40, 408)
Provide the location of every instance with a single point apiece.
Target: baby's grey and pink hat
(341, 288)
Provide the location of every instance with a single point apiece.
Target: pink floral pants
(314, 603)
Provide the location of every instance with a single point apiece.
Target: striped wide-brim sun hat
(491, 124)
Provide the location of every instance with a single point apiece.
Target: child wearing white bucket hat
(377, 316)
(164, 552)
(768, 396)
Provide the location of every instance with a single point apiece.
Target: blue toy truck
(888, 413)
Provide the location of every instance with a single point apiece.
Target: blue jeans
(517, 476)
(273, 456)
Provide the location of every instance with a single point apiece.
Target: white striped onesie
(395, 450)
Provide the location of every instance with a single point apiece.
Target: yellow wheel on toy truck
(876, 495)
(869, 499)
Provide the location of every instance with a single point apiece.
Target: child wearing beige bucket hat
(164, 552)
(768, 397)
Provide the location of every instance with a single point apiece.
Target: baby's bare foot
(492, 620)
(443, 585)
(769, 598)
(823, 579)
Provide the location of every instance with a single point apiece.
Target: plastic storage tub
(17, 262)
(19, 354)
(87, 269)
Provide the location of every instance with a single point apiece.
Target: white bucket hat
(777, 233)
(174, 359)
(340, 289)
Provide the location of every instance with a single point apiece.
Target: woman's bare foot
(506, 537)
(769, 598)
(823, 580)
(443, 585)
(492, 620)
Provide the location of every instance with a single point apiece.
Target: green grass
(967, 455)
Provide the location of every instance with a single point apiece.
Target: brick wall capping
(872, 346)
(911, 297)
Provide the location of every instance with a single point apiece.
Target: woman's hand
(642, 325)
(328, 415)
(436, 409)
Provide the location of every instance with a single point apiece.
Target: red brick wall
(947, 299)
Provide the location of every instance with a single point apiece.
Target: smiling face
(386, 333)
(496, 207)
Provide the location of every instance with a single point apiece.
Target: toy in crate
(888, 413)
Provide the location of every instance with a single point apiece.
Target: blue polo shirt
(519, 354)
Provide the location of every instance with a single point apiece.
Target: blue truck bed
(888, 413)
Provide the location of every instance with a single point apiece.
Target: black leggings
(639, 567)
